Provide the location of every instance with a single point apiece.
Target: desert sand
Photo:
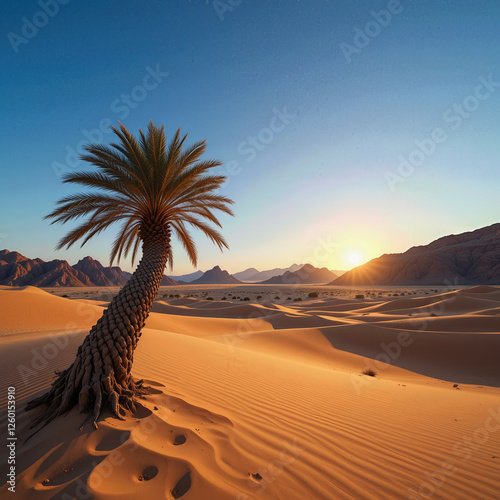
(266, 398)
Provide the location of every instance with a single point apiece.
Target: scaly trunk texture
(100, 377)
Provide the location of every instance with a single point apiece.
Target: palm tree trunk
(100, 377)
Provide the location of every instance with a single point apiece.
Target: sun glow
(354, 258)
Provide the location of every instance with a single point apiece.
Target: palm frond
(187, 241)
(140, 183)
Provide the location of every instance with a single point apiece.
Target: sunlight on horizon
(354, 258)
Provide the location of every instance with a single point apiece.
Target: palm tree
(153, 189)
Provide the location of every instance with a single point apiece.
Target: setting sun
(354, 258)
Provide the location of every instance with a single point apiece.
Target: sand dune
(29, 309)
(268, 400)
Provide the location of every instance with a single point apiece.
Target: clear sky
(349, 129)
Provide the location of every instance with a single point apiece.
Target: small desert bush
(313, 294)
(259, 297)
(246, 298)
(210, 298)
(223, 298)
(369, 372)
(359, 296)
(276, 298)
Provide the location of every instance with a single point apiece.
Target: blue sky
(311, 105)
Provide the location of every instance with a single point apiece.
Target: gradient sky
(318, 187)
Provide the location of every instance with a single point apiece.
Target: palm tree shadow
(56, 454)
(69, 460)
(77, 488)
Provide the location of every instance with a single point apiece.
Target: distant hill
(216, 276)
(247, 273)
(168, 281)
(470, 258)
(270, 273)
(100, 275)
(307, 274)
(338, 272)
(18, 270)
(187, 278)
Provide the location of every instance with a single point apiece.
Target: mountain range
(260, 276)
(307, 274)
(464, 259)
(16, 269)
(187, 278)
(246, 274)
(470, 258)
(250, 275)
(215, 276)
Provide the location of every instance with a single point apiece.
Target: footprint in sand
(180, 439)
(148, 473)
(182, 486)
